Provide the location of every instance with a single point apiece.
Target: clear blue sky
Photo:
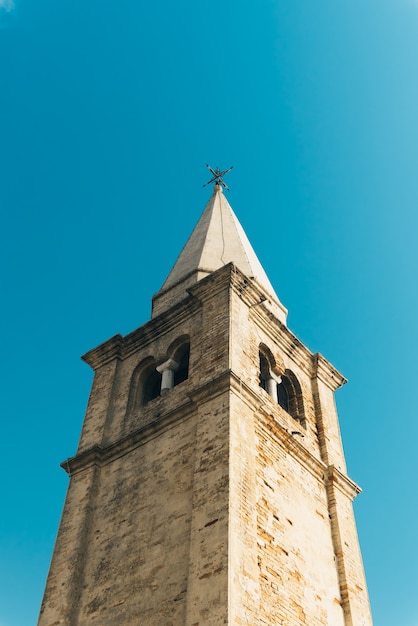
(109, 111)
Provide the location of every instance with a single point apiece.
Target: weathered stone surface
(210, 504)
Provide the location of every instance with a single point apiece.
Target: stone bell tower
(209, 486)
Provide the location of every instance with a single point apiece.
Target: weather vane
(217, 176)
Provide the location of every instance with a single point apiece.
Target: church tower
(209, 486)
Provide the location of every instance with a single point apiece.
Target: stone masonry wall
(285, 507)
(298, 576)
(210, 504)
(144, 533)
(137, 557)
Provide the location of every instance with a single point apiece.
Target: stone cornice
(328, 474)
(158, 326)
(182, 280)
(253, 294)
(121, 347)
(281, 336)
(248, 289)
(212, 284)
(211, 389)
(244, 392)
(195, 286)
(228, 276)
(225, 383)
(342, 482)
(106, 352)
(315, 365)
(314, 465)
(101, 455)
(327, 372)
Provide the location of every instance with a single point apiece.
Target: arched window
(182, 356)
(264, 371)
(282, 395)
(175, 369)
(150, 380)
(145, 385)
(151, 387)
(294, 394)
(284, 389)
(269, 378)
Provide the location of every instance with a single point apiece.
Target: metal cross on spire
(217, 176)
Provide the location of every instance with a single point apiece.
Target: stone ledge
(330, 475)
(327, 372)
(342, 482)
(106, 352)
(98, 455)
(283, 338)
(314, 465)
(121, 347)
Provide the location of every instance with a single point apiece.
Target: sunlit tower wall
(209, 485)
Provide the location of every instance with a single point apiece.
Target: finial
(217, 176)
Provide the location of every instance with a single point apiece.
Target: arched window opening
(151, 387)
(182, 357)
(268, 379)
(264, 372)
(283, 396)
(284, 389)
(150, 380)
(295, 397)
(145, 385)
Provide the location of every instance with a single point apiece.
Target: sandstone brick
(209, 504)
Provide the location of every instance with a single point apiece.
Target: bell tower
(209, 486)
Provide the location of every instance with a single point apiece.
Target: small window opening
(264, 369)
(283, 396)
(182, 357)
(284, 389)
(152, 387)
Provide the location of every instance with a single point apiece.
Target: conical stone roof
(217, 239)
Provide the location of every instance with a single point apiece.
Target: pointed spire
(218, 239)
